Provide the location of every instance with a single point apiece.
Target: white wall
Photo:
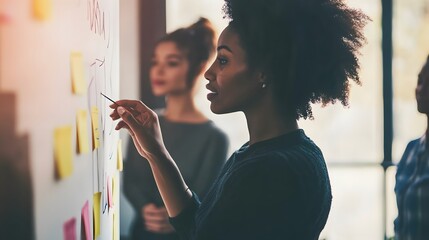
(35, 66)
(130, 76)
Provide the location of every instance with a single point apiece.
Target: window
(410, 50)
(351, 138)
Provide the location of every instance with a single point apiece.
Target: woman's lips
(211, 96)
(158, 83)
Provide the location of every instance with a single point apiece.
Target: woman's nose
(209, 75)
(159, 70)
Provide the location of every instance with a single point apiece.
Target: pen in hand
(134, 112)
(109, 99)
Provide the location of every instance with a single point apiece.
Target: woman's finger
(136, 105)
(114, 115)
(125, 103)
(128, 118)
(155, 218)
(121, 124)
(156, 228)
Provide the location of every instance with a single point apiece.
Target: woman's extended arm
(143, 126)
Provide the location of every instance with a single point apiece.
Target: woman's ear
(262, 79)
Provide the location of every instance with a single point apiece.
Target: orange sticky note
(119, 157)
(69, 229)
(85, 222)
(42, 9)
(95, 130)
(78, 80)
(96, 213)
(63, 151)
(82, 132)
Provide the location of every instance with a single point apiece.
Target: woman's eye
(153, 63)
(173, 64)
(222, 61)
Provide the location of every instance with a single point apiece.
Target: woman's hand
(142, 124)
(156, 219)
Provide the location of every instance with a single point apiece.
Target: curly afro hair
(307, 49)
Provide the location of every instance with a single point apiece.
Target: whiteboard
(35, 66)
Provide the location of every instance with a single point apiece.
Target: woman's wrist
(158, 155)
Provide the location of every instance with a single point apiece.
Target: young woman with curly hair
(274, 59)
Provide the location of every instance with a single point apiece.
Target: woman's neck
(427, 130)
(181, 108)
(266, 122)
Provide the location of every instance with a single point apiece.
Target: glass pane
(392, 210)
(354, 134)
(410, 48)
(357, 205)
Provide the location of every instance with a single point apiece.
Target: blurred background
(361, 143)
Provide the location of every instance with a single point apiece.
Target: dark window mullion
(387, 52)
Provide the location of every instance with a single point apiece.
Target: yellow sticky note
(95, 130)
(96, 214)
(115, 227)
(78, 80)
(42, 9)
(82, 132)
(63, 151)
(119, 164)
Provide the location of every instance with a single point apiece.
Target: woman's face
(169, 70)
(233, 86)
(422, 90)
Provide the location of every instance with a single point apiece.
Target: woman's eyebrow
(178, 56)
(224, 47)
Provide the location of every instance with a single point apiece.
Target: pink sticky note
(109, 193)
(69, 229)
(4, 18)
(85, 222)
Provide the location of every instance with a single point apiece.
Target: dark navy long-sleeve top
(273, 189)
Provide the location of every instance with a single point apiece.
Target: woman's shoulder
(414, 142)
(412, 146)
(410, 150)
(301, 162)
(288, 151)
